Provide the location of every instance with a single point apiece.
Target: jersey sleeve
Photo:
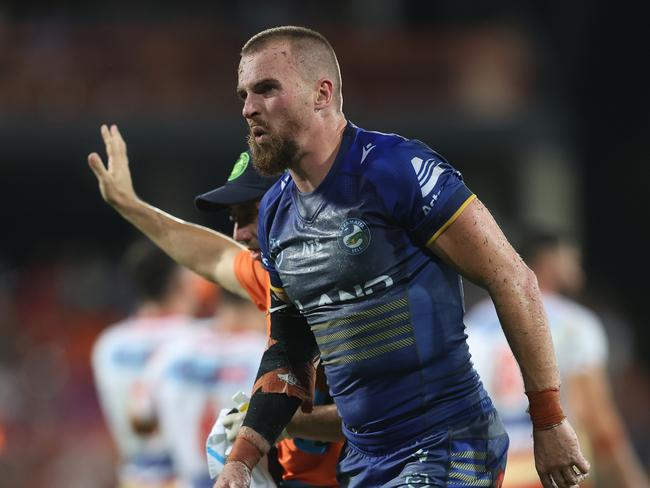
(253, 278)
(420, 190)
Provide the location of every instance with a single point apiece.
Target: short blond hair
(316, 54)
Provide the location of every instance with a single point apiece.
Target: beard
(274, 156)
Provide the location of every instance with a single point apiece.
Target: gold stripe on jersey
(370, 353)
(276, 289)
(370, 330)
(352, 331)
(467, 480)
(477, 468)
(451, 220)
(365, 314)
(469, 455)
(366, 341)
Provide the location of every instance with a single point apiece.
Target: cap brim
(225, 196)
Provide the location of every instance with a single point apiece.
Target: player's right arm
(285, 381)
(204, 251)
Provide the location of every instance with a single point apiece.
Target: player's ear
(324, 94)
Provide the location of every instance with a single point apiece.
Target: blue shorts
(473, 454)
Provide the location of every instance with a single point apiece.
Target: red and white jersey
(191, 379)
(580, 343)
(119, 359)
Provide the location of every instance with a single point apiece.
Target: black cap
(244, 185)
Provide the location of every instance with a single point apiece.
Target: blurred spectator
(581, 347)
(191, 378)
(166, 300)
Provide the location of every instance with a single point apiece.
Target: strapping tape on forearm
(289, 364)
(545, 409)
(244, 451)
(297, 381)
(269, 413)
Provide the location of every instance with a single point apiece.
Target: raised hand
(558, 458)
(114, 180)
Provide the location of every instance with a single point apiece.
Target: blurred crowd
(52, 432)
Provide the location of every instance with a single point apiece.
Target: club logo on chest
(354, 236)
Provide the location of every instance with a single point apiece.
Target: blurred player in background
(166, 302)
(309, 459)
(194, 376)
(581, 348)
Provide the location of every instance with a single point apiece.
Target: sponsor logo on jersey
(366, 150)
(428, 173)
(354, 236)
(311, 246)
(356, 291)
(434, 198)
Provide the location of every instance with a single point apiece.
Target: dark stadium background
(543, 107)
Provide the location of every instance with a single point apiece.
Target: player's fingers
(547, 481)
(553, 480)
(96, 165)
(117, 138)
(108, 139)
(106, 134)
(570, 476)
(582, 465)
(558, 478)
(115, 132)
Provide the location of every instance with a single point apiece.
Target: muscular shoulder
(268, 210)
(273, 196)
(392, 161)
(384, 155)
(274, 193)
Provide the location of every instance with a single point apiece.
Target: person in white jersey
(193, 377)
(581, 348)
(166, 301)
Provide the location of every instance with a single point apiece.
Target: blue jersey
(386, 312)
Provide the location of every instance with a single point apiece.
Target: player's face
(571, 276)
(244, 217)
(278, 105)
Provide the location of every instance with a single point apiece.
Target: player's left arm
(475, 245)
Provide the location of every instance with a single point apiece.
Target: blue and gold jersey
(386, 312)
